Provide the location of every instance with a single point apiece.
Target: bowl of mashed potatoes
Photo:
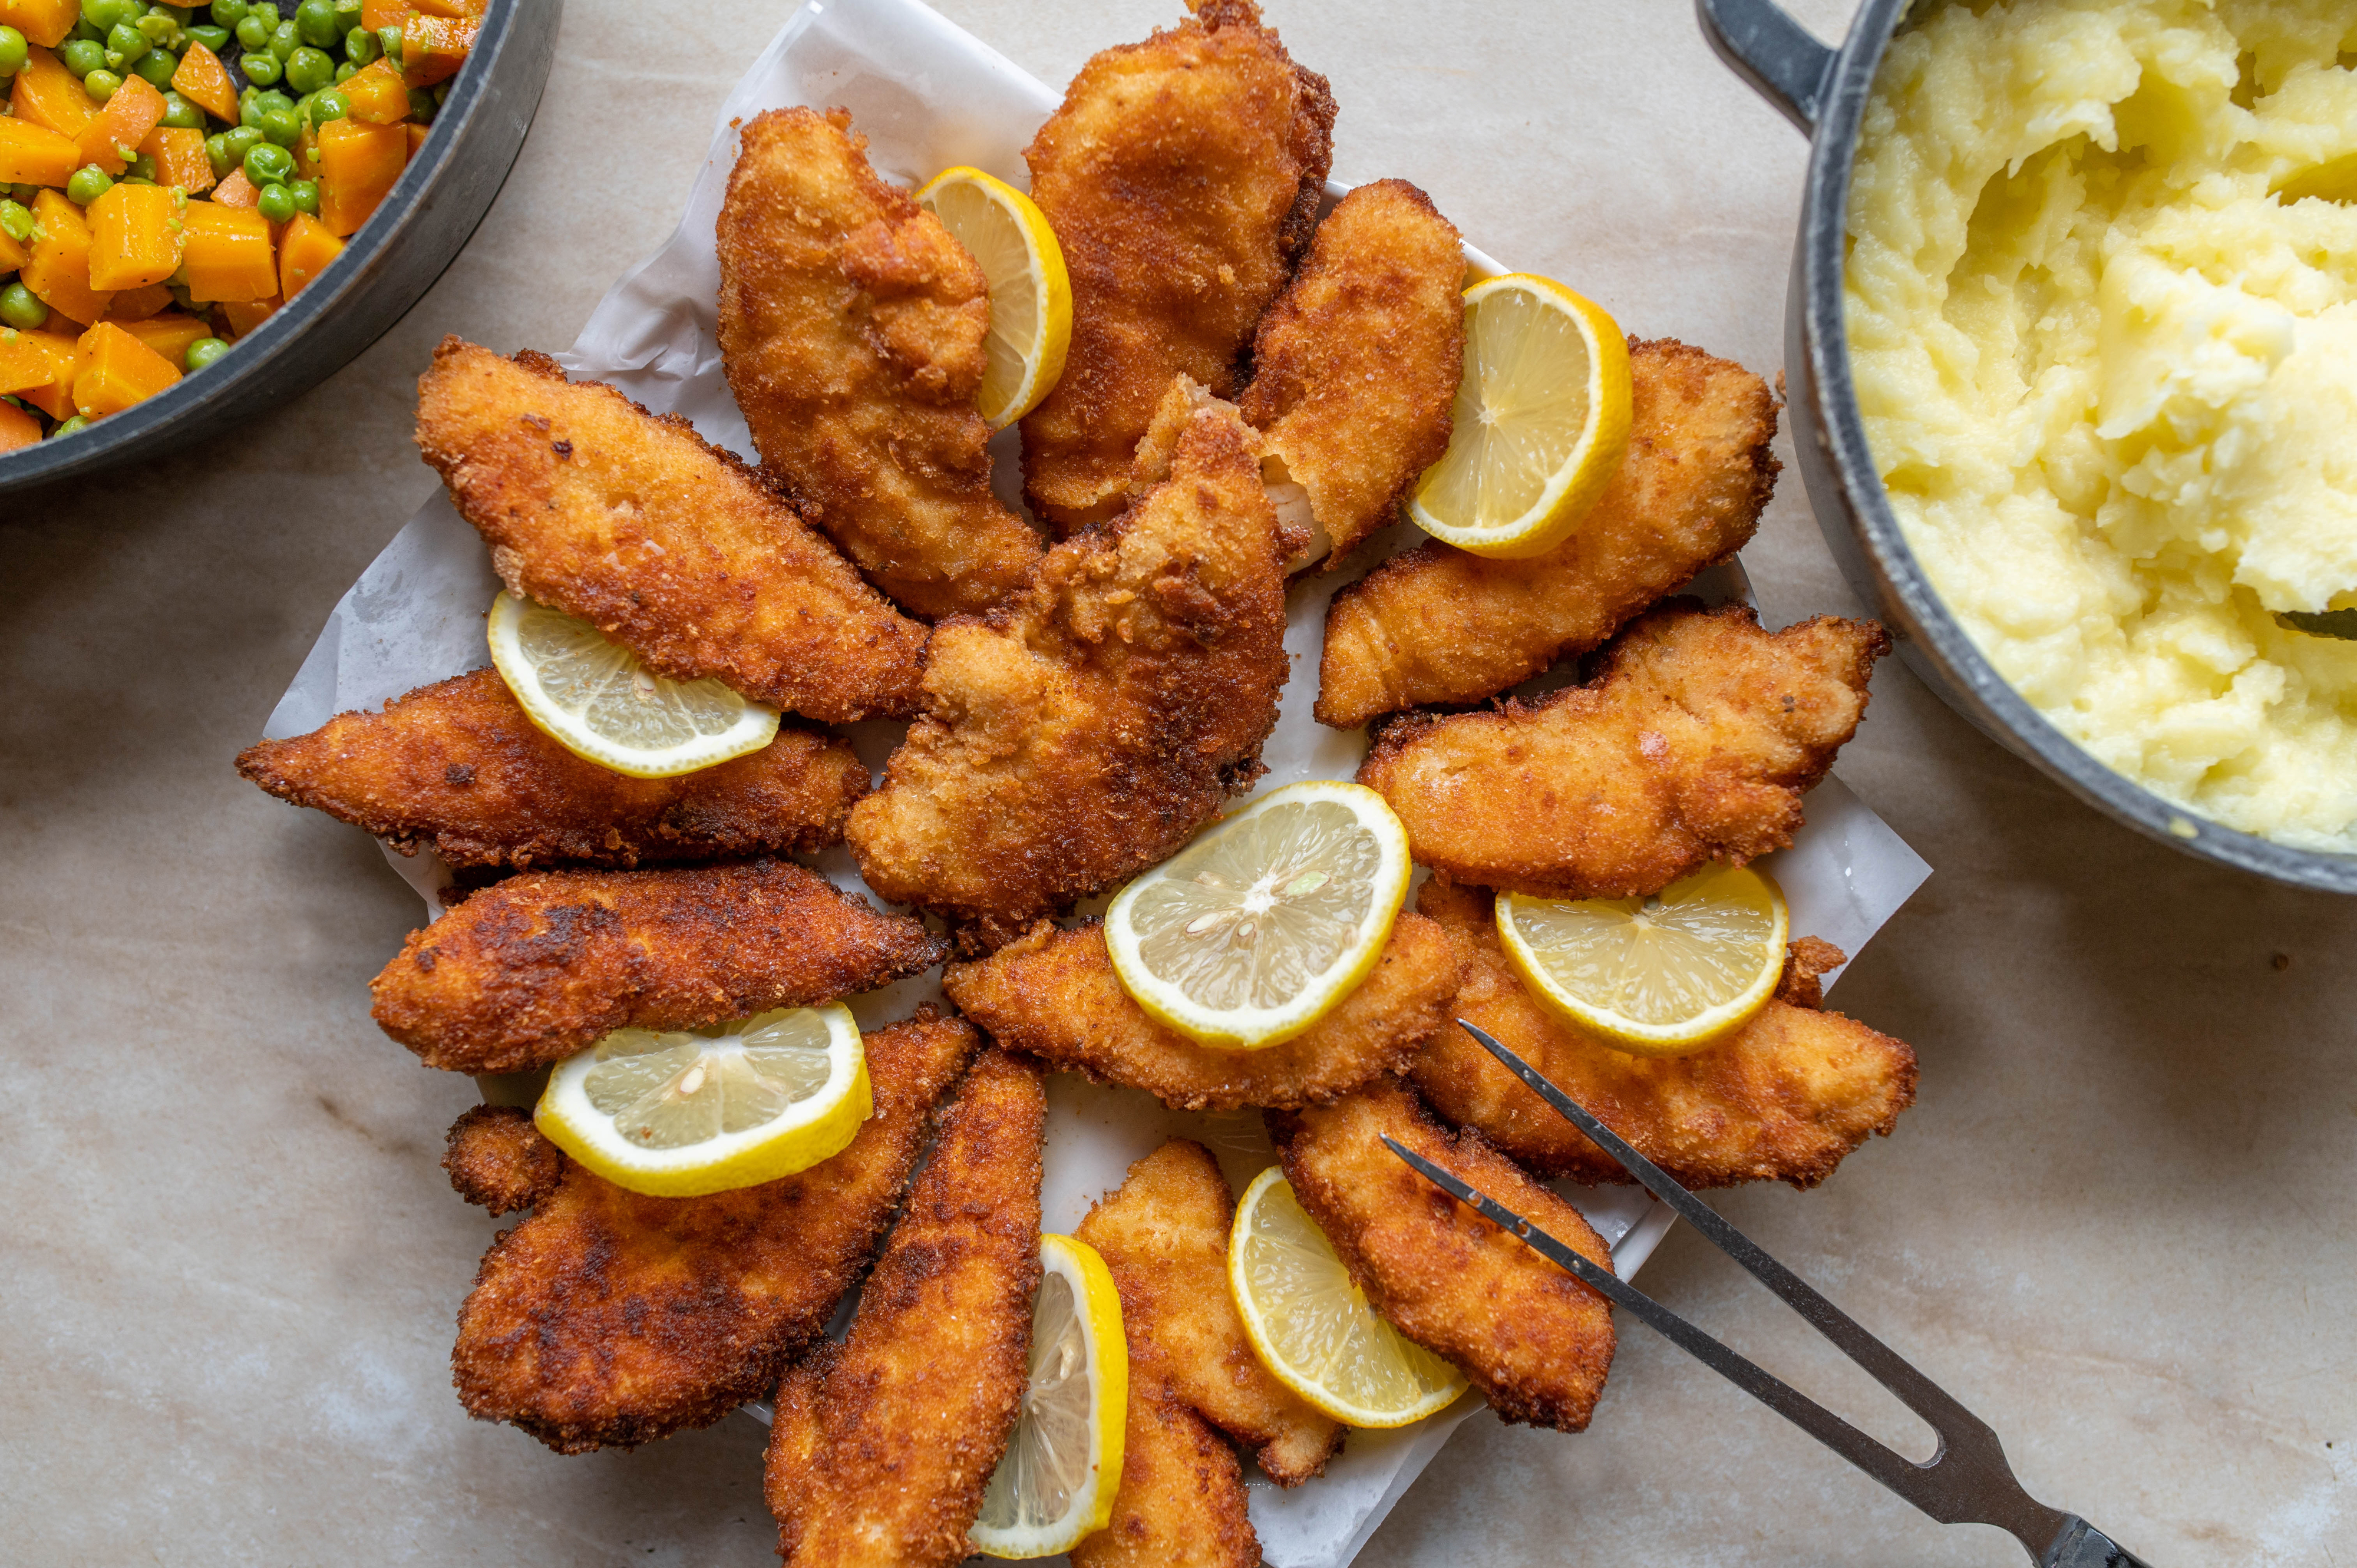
(2073, 351)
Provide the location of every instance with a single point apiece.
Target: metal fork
(1968, 1481)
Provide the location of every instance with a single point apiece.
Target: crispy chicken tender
(883, 1445)
(1781, 1098)
(670, 546)
(1355, 368)
(1531, 1339)
(533, 969)
(1436, 625)
(1054, 994)
(459, 767)
(1181, 175)
(1694, 743)
(611, 1318)
(1087, 727)
(498, 1159)
(1163, 1235)
(852, 326)
(1181, 1503)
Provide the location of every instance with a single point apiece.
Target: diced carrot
(237, 191)
(225, 253)
(375, 95)
(18, 428)
(375, 14)
(134, 236)
(138, 303)
(12, 255)
(112, 139)
(32, 153)
(170, 333)
(204, 81)
(451, 8)
(46, 93)
(22, 363)
(43, 22)
(59, 268)
(180, 160)
(434, 48)
(242, 316)
(117, 370)
(39, 367)
(304, 251)
(358, 164)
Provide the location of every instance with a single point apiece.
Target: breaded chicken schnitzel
(1534, 1340)
(882, 1445)
(1181, 175)
(1181, 1503)
(1089, 726)
(852, 326)
(456, 766)
(1783, 1098)
(668, 545)
(1434, 625)
(533, 969)
(1356, 366)
(1694, 743)
(611, 1318)
(1053, 994)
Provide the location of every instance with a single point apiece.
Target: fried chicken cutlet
(1089, 726)
(1783, 1098)
(609, 1318)
(1054, 994)
(1694, 743)
(1434, 625)
(883, 1444)
(1181, 175)
(533, 969)
(668, 545)
(1356, 367)
(1534, 1340)
(456, 766)
(1181, 1502)
(852, 326)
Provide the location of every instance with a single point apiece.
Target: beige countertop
(2117, 1224)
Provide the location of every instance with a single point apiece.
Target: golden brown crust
(851, 328)
(1534, 1340)
(1181, 1503)
(1355, 367)
(1181, 175)
(894, 1436)
(1164, 1236)
(1054, 994)
(1095, 721)
(498, 1160)
(1784, 1098)
(530, 969)
(1434, 625)
(1694, 743)
(668, 545)
(609, 1318)
(459, 767)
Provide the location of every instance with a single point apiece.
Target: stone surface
(2118, 1225)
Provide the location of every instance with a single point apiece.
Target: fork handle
(2081, 1545)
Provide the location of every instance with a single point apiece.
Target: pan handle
(1782, 60)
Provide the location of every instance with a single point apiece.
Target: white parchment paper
(928, 95)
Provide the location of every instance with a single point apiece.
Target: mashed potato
(2101, 298)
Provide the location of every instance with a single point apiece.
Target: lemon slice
(678, 1113)
(1030, 292)
(601, 703)
(1261, 926)
(1542, 418)
(1313, 1329)
(1062, 1466)
(1660, 976)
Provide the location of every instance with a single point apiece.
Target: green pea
(269, 164)
(203, 352)
(270, 98)
(141, 167)
(89, 183)
(328, 105)
(108, 14)
(182, 115)
(124, 45)
(253, 33)
(421, 106)
(158, 28)
(28, 194)
(346, 71)
(155, 70)
(82, 56)
(306, 193)
(266, 9)
(361, 46)
(308, 70)
(213, 39)
(284, 41)
(261, 67)
(388, 43)
(217, 154)
(16, 221)
(22, 308)
(73, 426)
(316, 20)
(282, 126)
(274, 203)
(228, 13)
(239, 143)
(178, 14)
(101, 85)
(14, 51)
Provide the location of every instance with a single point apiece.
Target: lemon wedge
(1263, 924)
(1313, 1329)
(1062, 1467)
(1030, 292)
(597, 699)
(679, 1113)
(1541, 420)
(1658, 976)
